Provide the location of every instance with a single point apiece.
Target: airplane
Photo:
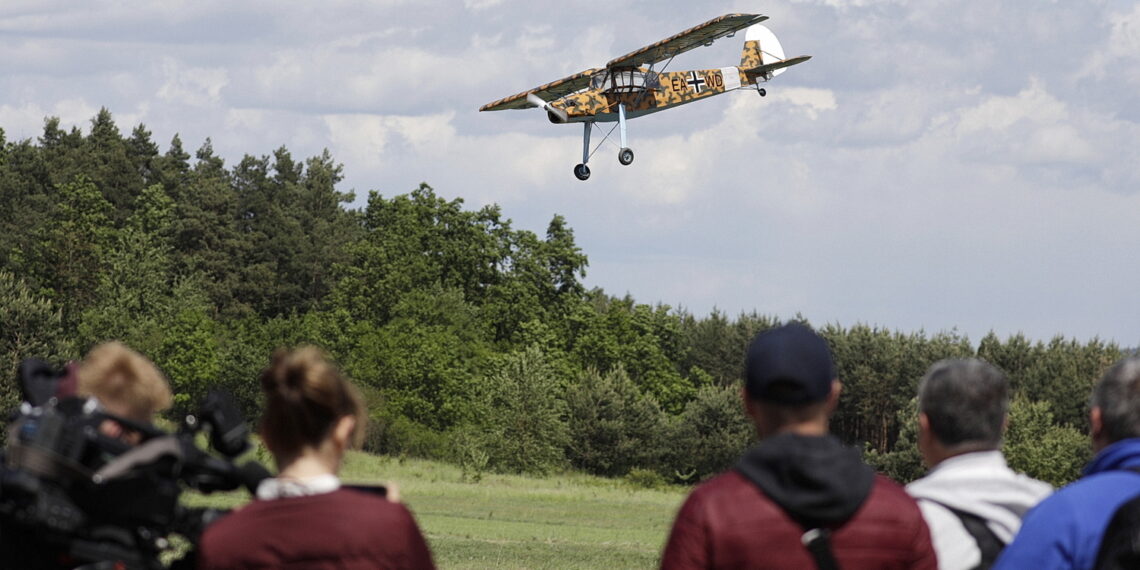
(626, 89)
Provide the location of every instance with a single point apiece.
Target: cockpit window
(625, 80)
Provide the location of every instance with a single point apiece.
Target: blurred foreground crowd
(798, 498)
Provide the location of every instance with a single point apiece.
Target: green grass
(508, 521)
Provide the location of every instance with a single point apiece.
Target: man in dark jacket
(799, 498)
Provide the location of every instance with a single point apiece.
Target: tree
(1035, 445)
(709, 436)
(613, 426)
(71, 246)
(524, 425)
(33, 328)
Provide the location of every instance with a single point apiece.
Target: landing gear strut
(625, 155)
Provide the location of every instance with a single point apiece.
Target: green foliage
(394, 434)
(645, 479)
(1036, 445)
(451, 321)
(523, 415)
(189, 355)
(32, 328)
(709, 435)
(613, 427)
(903, 463)
(880, 371)
(640, 338)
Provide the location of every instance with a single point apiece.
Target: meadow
(567, 520)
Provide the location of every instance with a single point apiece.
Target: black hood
(817, 480)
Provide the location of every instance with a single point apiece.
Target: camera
(71, 496)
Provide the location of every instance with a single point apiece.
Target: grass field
(506, 521)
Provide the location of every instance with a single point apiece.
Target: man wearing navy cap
(799, 498)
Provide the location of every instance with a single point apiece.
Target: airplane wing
(691, 38)
(770, 67)
(548, 92)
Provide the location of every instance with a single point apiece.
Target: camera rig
(71, 496)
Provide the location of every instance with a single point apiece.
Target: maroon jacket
(344, 529)
(729, 522)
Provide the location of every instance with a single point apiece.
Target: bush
(521, 413)
(397, 435)
(645, 479)
(710, 435)
(613, 426)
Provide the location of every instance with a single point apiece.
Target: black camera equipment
(71, 496)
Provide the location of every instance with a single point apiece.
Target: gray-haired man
(971, 500)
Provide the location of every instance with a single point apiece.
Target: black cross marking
(696, 82)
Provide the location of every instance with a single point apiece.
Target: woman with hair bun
(303, 518)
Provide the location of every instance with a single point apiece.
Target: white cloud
(189, 85)
(934, 165)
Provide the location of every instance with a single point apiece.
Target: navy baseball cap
(790, 364)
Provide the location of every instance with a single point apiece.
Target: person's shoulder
(888, 486)
(358, 496)
(727, 483)
(890, 497)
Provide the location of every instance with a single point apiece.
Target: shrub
(613, 426)
(521, 413)
(709, 435)
(645, 478)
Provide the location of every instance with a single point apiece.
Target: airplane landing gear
(625, 156)
(582, 171)
(762, 91)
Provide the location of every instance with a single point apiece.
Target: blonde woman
(303, 518)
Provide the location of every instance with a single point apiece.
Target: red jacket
(344, 529)
(728, 522)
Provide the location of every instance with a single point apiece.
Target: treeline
(473, 341)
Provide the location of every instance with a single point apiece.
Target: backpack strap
(818, 543)
(988, 543)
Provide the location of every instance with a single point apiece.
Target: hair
(966, 400)
(1117, 394)
(124, 381)
(306, 395)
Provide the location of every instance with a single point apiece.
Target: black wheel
(763, 92)
(625, 156)
(582, 171)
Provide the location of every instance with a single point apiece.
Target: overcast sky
(937, 165)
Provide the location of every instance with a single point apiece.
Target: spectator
(971, 500)
(799, 498)
(126, 384)
(1065, 530)
(130, 388)
(303, 518)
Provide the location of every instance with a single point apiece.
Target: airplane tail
(763, 56)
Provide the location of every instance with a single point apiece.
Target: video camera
(71, 496)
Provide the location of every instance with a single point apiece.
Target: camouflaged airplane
(627, 90)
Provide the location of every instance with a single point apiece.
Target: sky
(943, 165)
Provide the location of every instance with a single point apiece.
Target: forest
(473, 341)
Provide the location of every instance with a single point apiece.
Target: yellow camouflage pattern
(595, 94)
(749, 57)
(668, 89)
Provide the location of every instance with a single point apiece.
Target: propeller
(555, 114)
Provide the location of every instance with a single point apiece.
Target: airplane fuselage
(643, 92)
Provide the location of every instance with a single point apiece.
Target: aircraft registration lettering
(697, 82)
